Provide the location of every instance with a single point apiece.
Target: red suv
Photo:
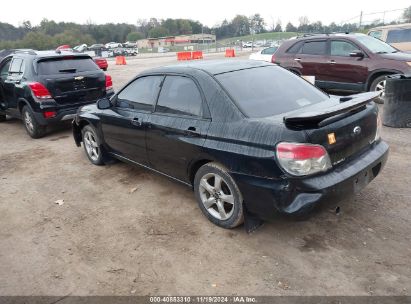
(343, 62)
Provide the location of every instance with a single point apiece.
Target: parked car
(80, 48)
(349, 62)
(101, 62)
(398, 35)
(253, 139)
(248, 44)
(97, 46)
(46, 87)
(264, 55)
(130, 44)
(112, 45)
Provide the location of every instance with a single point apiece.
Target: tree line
(50, 34)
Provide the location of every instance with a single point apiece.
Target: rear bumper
(64, 114)
(267, 198)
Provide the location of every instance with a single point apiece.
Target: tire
(92, 146)
(33, 128)
(223, 204)
(378, 84)
(3, 117)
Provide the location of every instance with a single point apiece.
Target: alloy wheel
(216, 196)
(380, 87)
(28, 120)
(91, 145)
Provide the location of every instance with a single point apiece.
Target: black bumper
(267, 198)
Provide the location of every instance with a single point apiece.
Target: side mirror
(357, 54)
(103, 104)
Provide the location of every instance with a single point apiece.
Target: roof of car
(43, 54)
(332, 35)
(213, 67)
(391, 26)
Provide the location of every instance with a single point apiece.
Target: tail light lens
(49, 114)
(273, 59)
(302, 159)
(109, 82)
(39, 90)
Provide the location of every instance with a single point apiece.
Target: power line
(373, 13)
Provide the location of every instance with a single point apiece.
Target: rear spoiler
(346, 105)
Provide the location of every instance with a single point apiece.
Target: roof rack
(28, 51)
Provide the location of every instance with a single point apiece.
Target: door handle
(332, 61)
(136, 122)
(297, 59)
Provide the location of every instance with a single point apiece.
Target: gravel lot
(123, 230)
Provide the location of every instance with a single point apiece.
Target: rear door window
(314, 48)
(268, 91)
(66, 65)
(180, 95)
(141, 94)
(16, 66)
(295, 48)
(398, 36)
(342, 48)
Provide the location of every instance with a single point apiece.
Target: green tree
(184, 27)
(290, 27)
(158, 31)
(171, 25)
(134, 36)
(257, 23)
(240, 25)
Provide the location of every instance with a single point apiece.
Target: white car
(112, 45)
(264, 55)
(130, 44)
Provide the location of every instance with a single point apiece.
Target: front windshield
(375, 45)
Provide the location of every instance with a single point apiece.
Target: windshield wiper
(68, 70)
(381, 52)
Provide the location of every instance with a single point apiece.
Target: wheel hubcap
(28, 121)
(216, 196)
(381, 88)
(91, 145)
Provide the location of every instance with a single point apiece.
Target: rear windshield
(270, 90)
(66, 65)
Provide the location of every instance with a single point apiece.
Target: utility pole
(359, 26)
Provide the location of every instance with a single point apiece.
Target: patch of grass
(262, 36)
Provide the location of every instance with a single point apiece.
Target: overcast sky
(209, 12)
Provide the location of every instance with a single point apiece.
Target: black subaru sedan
(253, 139)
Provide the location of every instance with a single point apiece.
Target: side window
(342, 48)
(398, 36)
(314, 48)
(295, 48)
(180, 95)
(141, 94)
(376, 34)
(269, 51)
(4, 71)
(16, 66)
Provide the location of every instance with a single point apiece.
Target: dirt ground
(125, 231)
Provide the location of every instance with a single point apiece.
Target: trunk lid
(72, 79)
(344, 127)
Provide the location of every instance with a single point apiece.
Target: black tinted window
(295, 48)
(314, 48)
(268, 91)
(15, 66)
(269, 51)
(141, 94)
(66, 65)
(342, 48)
(398, 36)
(4, 71)
(179, 95)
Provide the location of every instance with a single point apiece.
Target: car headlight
(409, 63)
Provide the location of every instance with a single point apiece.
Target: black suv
(46, 87)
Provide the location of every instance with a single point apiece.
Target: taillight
(273, 59)
(39, 90)
(302, 159)
(109, 82)
(49, 114)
